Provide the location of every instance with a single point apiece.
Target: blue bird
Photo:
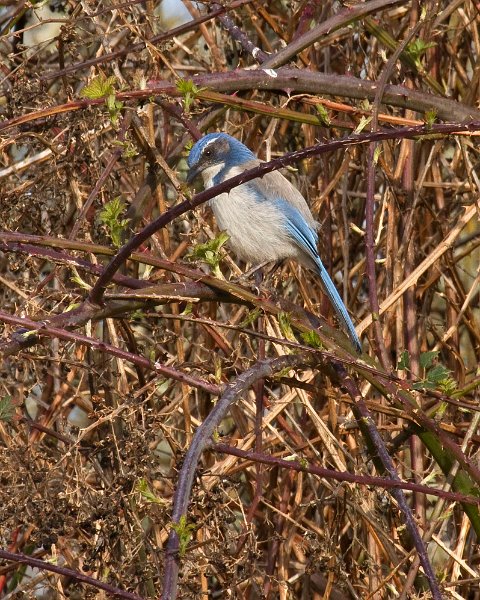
(267, 218)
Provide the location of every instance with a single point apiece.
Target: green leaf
(79, 281)
(427, 358)
(283, 373)
(439, 412)
(404, 362)
(162, 387)
(430, 117)
(417, 48)
(438, 373)
(365, 105)
(209, 253)
(99, 87)
(285, 326)
(184, 532)
(189, 92)
(31, 333)
(251, 317)
(437, 377)
(323, 115)
(424, 384)
(114, 107)
(144, 490)
(448, 386)
(311, 338)
(218, 364)
(188, 310)
(364, 121)
(7, 408)
(104, 87)
(110, 217)
(129, 148)
(73, 306)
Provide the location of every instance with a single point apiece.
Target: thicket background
(99, 407)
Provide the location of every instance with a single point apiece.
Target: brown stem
(75, 575)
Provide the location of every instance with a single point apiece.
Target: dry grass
(99, 500)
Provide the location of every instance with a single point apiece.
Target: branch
(96, 294)
(76, 575)
(284, 79)
(370, 431)
(41, 329)
(201, 439)
(384, 482)
(344, 17)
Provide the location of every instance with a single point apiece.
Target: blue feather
(307, 239)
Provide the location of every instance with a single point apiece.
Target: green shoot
(416, 50)
(189, 92)
(323, 115)
(104, 87)
(285, 326)
(210, 254)
(110, 217)
(436, 376)
(144, 490)
(251, 317)
(184, 532)
(311, 338)
(99, 87)
(364, 121)
(430, 117)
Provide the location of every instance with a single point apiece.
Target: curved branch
(97, 292)
(283, 80)
(303, 81)
(371, 433)
(201, 439)
(75, 575)
(342, 18)
(41, 329)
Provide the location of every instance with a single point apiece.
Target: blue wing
(307, 240)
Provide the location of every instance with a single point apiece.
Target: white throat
(209, 174)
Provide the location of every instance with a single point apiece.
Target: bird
(267, 219)
(173, 13)
(43, 25)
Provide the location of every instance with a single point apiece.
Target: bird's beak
(192, 174)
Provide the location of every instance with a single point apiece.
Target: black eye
(207, 153)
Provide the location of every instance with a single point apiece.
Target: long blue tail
(306, 237)
(339, 306)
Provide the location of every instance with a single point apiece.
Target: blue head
(215, 152)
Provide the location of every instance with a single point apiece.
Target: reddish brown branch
(382, 482)
(64, 571)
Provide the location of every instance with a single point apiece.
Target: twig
(366, 422)
(75, 575)
(345, 476)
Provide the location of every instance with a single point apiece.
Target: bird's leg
(258, 277)
(262, 277)
(256, 271)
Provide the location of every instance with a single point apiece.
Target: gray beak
(192, 174)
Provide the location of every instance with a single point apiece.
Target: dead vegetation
(100, 404)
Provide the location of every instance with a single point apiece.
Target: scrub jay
(267, 218)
